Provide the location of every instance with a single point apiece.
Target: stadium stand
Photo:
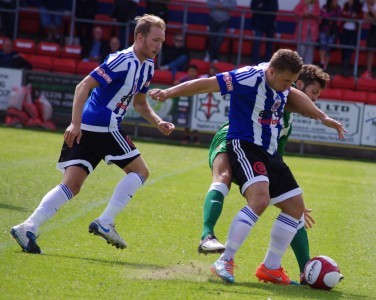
(24, 45)
(40, 63)
(163, 77)
(333, 94)
(71, 51)
(342, 82)
(85, 67)
(48, 48)
(202, 65)
(224, 66)
(367, 85)
(64, 65)
(354, 96)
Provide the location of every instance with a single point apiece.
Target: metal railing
(244, 14)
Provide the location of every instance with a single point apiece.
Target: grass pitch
(162, 226)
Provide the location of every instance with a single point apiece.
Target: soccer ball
(322, 272)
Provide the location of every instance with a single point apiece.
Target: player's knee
(225, 177)
(74, 187)
(259, 205)
(144, 173)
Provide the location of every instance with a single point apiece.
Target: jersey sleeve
(226, 82)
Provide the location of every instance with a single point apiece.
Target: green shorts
(218, 144)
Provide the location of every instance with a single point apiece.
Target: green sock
(300, 246)
(212, 210)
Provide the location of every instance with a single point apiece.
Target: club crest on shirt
(277, 103)
(228, 80)
(101, 72)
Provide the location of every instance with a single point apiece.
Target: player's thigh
(222, 169)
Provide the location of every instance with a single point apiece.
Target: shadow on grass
(109, 262)
(12, 207)
(296, 292)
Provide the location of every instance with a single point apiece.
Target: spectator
(352, 10)
(7, 18)
(85, 9)
(219, 18)
(328, 30)
(124, 11)
(175, 57)
(369, 10)
(95, 49)
(192, 73)
(212, 72)
(158, 8)
(263, 24)
(115, 44)
(308, 12)
(52, 19)
(11, 59)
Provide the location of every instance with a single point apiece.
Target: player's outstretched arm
(188, 88)
(299, 102)
(141, 105)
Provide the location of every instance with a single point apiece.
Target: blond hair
(144, 23)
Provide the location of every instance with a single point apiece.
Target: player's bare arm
(141, 105)
(299, 102)
(73, 132)
(188, 88)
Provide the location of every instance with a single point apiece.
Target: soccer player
(95, 133)
(312, 81)
(258, 98)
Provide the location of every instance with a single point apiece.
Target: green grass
(162, 226)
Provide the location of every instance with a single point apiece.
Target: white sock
(283, 231)
(301, 223)
(240, 227)
(49, 205)
(122, 195)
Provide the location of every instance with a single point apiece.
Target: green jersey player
(312, 80)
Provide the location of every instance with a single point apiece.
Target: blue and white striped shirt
(255, 108)
(120, 77)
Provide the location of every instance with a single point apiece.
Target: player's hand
(308, 219)
(71, 134)
(165, 127)
(158, 95)
(329, 122)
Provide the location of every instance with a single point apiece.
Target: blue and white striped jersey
(120, 77)
(255, 108)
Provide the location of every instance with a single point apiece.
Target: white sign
(369, 126)
(349, 114)
(209, 111)
(9, 78)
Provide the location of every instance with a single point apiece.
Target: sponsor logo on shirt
(271, 117)
(103, 74)
(228, 80)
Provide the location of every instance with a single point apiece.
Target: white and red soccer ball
(322, 272)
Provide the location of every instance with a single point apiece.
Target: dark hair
(145, 22)
(311, 73)
(286, 60)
